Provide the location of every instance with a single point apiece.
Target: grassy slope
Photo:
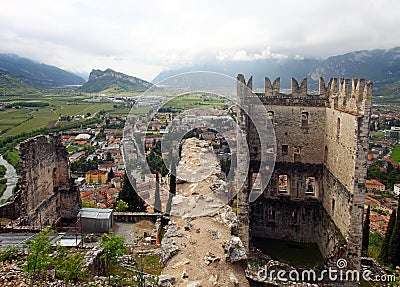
(10, 85)
(395, 155)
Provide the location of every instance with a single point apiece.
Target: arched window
(304, 119)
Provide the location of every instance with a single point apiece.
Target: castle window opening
(326, 154)
(333, 206)
(304, 119)
(296, 154)
(338, 129)
(271, 116)
(283, 183)
(271, 214)
(285, 149)
(311, 185)
(294, 217)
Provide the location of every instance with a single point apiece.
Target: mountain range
(380, 66)
(20, 75)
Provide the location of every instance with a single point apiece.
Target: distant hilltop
(112, 81)
(22, 73)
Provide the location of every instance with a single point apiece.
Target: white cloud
(143, 37)
(243, 55)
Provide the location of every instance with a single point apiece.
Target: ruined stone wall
(47, 190)
(290, 132)
(11, 209)
(299, 216)
(303, 220)
(297, 174)
(325, 136)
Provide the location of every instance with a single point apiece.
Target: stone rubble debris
(166, 280)
(233, 279)
(180, 263)
(184, 274)
(168, 250)
(234, 250)
(193, 284)
(215, 234)
(210, 258)
(213, 279)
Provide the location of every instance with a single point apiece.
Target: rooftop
(96, 213)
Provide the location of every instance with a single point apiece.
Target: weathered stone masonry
(47, 190)
(320, 138)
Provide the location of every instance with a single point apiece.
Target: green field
(192, 101)
(395, 155)
(14, 121)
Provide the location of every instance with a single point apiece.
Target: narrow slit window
(294, 217)
(333, 206)
(285, 149)
(296, 154)
(271, 215)
(338, 128)
(304, 119)
(271, 116)
(326, 154)
(283, 183)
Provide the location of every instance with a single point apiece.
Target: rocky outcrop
(103, 80)
(234, 250)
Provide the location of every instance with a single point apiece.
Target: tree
(384, 256)
(108, 157)
(394, 246)
(365, 238)
(130, 196)
(121, 206)
(39, 258)
(172, 186)
(112, 247)
(110, 175)
(157, 200)
(68, 268)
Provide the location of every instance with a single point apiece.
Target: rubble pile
(200, 226)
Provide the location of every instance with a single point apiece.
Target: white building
(396, 189)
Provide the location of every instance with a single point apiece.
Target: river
(11, 176)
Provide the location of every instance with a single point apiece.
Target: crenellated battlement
(317, 188)
(338, 94)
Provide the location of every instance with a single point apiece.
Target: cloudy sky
(141, 38)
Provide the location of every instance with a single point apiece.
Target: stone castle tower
(316, 192)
